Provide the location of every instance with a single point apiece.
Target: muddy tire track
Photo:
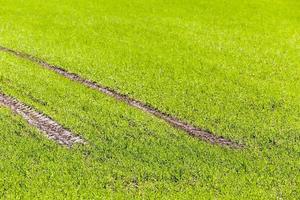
(45, 124)
(173, 121)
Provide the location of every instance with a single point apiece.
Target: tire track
(45, 124)
(173, 121)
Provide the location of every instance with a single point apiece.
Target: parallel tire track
(175, 122)
(45, 124)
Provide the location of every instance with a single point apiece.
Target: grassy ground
(230, 67)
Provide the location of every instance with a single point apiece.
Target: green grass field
(231, 67)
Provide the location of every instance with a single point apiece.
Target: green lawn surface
(231, 67)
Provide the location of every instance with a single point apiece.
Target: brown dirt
(173, 121)
(45, 124)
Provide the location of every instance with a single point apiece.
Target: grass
(230, 67)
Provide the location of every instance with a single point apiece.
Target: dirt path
(173, 121)
(45, 124)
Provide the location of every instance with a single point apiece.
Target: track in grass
(44, 123)
(175, 122)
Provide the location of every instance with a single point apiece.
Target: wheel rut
(51, 129)
(172, 120)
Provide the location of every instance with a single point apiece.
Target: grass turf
(231, 67)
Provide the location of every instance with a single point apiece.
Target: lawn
(231, 67)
